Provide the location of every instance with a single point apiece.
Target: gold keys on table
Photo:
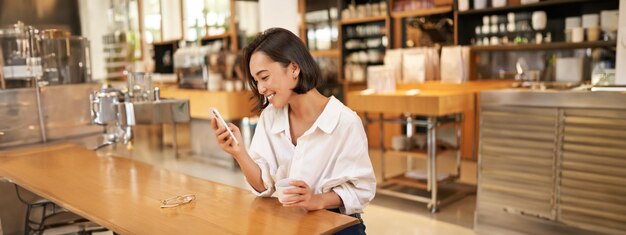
(177, 201)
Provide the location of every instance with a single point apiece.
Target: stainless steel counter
(552, 162)
(554, 99)
(65, 112)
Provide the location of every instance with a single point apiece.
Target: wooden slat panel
(517, 166)
(595, 159)
(593, 182)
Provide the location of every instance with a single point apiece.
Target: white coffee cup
(229, 85)
(510, 17)
(498, 3)
(486, 20)
(578, 34)
(590, 20)
(572, 22)
(463, 5)
(238, 85)
(480, 4)
(539, 20)
(281, 186)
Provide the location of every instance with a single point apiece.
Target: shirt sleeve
(262, 154)
(353, 176)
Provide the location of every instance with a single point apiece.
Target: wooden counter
(124, 196)
(469, 86)
(232, 105)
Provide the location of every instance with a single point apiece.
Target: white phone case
(223, 123)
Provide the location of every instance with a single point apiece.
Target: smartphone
(221, 121)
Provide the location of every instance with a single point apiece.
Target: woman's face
(274, 81)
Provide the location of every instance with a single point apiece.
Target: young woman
(301, 134)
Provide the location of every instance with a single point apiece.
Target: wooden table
(471, 124)
(425, 103)
(433, 105)
(469, 131)
(124, 196)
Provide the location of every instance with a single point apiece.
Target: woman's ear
(295, 69)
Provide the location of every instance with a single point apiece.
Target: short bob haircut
(284, 47)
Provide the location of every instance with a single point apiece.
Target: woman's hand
(225, 141)
(303, 197)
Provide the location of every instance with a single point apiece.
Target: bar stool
(52, 216)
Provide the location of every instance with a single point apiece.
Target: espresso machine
(119, 110)
(205, 67)
(191, 66)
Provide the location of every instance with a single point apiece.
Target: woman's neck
(307, 106)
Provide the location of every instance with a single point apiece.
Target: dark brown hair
(284, 47)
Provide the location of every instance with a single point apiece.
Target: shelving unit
(389, 37)
(229, 38)
(422, 12)
(360, 30)
(217, 36)
(470, 21)
(545, 46)
(323, 16)
(364, 20)
(117, 55)
(400, 18)
(326, 53)
(531, 6)
(556, 10)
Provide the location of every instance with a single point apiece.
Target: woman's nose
(261, 88)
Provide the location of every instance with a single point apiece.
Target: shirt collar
(327, 121)
(281, 121)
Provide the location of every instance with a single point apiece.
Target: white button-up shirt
(331, 155)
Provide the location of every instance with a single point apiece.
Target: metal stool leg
(382, 149)
(27, 220)
(409, 134)
(432, 163)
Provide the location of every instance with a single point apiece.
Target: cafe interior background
(482, 116)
